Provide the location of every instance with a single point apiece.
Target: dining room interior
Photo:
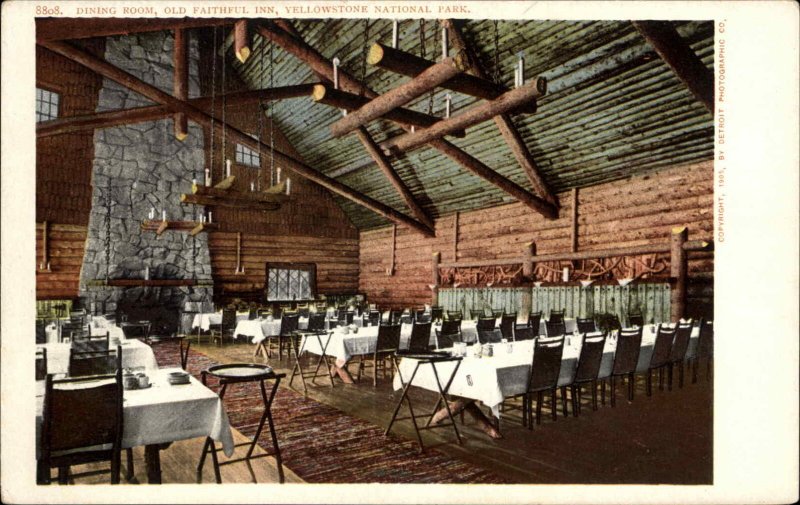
(341, 250)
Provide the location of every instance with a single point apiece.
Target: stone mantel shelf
(193, 227)
(149, 282)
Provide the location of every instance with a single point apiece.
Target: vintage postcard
(306, 251)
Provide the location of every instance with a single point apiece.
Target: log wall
(65, 253)
(635, 211)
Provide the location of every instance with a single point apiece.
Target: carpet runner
(324, 445)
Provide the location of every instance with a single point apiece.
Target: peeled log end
(375, 54)
(242, 54)
(318, 93)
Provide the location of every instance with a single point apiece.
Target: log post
(399, 96)
(678, 270)
(475, 115)
(241, 40)
(527, 273)
(180, 81)
(45, 266)
(437, 257)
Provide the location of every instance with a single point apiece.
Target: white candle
(209, 216)
(447, 99)
(444, 42)
(152, 214)
(279, 175)
(208, 177)
(252, 186)
(521, 67)
(336, 73)
(394, 34)
(288, 185)
(163, 215)
(194, 182)
(565, 275)
(146, 273)
(227, 168)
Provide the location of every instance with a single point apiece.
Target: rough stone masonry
(139, 168)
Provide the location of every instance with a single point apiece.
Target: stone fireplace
(141, 169)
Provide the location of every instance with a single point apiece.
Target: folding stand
(233, 374)
(431, 359)
(297, 370)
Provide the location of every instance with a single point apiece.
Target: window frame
(52, 91)
(246, 153)
(311, 268)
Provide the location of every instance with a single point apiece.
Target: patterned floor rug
(324, 445)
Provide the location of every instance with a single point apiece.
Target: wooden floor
(663, 439)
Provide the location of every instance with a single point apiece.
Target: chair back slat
(705, 343)
(523, 333)
(374, 317)
(556, 316)
(316, 321)
(85, 363)
(680, 345)
(437, 313)
(636, 319)
(420, 337)
(489, 336)
(663, 346)
(451, 327)
(629, 344)
(486, 323)
(455, 314)
(388, 338)
(228, 319)
(546, 365)
(590, 357)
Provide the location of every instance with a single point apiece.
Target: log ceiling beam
(48, 29)
(679, 56)
(324, 67)
(386, 166)
(379, 106)
(241, 40)
(324, 93)
(401, 62)
(180, 80)
(111, 118)
(504, 123)
(477, 114)
(118, 75)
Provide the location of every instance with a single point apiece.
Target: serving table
(236, 373)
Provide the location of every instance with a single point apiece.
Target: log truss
(479, 276)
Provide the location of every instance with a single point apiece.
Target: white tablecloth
(165, 413)
(505, 374)
(135, 353)
(204, 320)
(344, 346)
(258, 330)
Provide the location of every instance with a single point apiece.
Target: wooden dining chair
(420, 337)
(635, 319)
(507, 322)
(486, 323)
(705, 349)
(455, 314)
(677, 356)
(374, 318)
(545, 369)
(587, 370)
(41, 363)
(316, 322)
(387, 345)
(489, 337)
(226, 327)
(585, 325)
(523, 332)
(555, 328)
(556, 316)
(497, 314)
(289, 324)
(629, 345)
(437, 313)
(85, 363)
(91, 343)
(81, 423)
(534, 321)
(662, 348)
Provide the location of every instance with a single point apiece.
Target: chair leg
(115, 466)
(649, 382)
(553, 405)
(576, 402)
(694, 371)
(539, 407)
(669, 377)
(594, 395)
(613, 393)
(525, 400)
(661, 378)
(603, 391)
(680, 374)
(129, 471)
(631, 385)
(564, 401)
(63, 475)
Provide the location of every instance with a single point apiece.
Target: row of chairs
(669, 351)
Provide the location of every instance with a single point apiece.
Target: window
(291, 281)
(46, 105)
(246, 156)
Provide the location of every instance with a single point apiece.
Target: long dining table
(163, 413)
(505, 374)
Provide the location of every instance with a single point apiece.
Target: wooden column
(45, 265)
(527, 273)
(455, 237)
(574, 235)
(399, 96)
(241, 40)
(180, 81)
(678, 271)
(437, 257)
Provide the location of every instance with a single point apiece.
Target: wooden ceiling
(614, 108)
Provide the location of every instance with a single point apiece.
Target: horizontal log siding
(65, 253)
(636, 211)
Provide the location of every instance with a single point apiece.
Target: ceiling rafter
(504, 122)
(679, 56)
(132, 82)
(321, 65)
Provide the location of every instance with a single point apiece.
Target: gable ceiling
(613, 108)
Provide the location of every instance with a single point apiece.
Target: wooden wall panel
(65, 253)
(640, 210)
